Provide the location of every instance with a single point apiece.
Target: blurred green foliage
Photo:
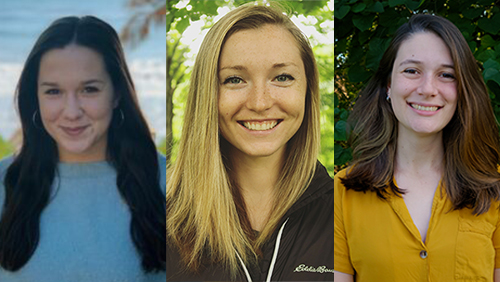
(5, 148)
(364, 29)
(162, 146)
(178, 19)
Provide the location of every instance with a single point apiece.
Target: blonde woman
(247, 199)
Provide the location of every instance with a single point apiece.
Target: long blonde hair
(206, 217)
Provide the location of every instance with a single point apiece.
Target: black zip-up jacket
(301, 246)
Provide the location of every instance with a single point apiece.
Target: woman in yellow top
(420, 200)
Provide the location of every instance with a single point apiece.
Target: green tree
(364, 29)
(177, 73)
(177, 20)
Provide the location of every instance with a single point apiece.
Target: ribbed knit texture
(84, 231)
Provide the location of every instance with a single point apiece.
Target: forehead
(70, 61)
(426, 47)
(268, 43)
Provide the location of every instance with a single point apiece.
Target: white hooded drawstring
(273, 260)
(244, 268)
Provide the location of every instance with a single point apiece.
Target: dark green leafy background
(364, 28)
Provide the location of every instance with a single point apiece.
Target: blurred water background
(22, 21)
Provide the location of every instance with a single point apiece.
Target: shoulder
(162, 161)
(340, 174)
(342, 193)
(4, 165)
(338, 186)
(309, 235)
(315, 208)
(318, 192)
(321, 178)
(177, 270)
(162, 166)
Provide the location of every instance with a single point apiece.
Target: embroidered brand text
(305, 268)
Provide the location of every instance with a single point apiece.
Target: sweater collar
(84, 170)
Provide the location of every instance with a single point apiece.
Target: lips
(74, 130)
(257, 125)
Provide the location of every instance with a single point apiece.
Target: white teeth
(422, 108)
(260, 126)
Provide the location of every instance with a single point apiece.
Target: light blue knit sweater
(84, 231)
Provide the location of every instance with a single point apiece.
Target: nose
(72, 107)
(259, 98)
(428, 86)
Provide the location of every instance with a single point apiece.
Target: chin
(427, 132)
(76, 149)
(262, 153)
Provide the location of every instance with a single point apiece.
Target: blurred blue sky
(22, 21)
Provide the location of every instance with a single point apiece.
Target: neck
(419, 152)
(256, 175)
(256, 178)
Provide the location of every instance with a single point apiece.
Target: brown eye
(448, 75)
(410, 71)
(90, 89)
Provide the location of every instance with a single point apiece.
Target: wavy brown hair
(206, 216)
(470, 139)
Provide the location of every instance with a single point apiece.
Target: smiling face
(423, 87)
(262, 91)
(76, 96)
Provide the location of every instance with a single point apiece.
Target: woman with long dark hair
(82, 200)
(420, 200)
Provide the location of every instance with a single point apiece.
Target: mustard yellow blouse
(376, 240)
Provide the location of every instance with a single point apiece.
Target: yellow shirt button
(423, 254)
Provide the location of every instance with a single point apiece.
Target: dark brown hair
(130, 150)
(470, 139)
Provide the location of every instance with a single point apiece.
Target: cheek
(294, 102)
(98, 109)
(451, 94)
(226, 105)
(222, 109)
(50, 110)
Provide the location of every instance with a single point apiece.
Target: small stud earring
(388, 98)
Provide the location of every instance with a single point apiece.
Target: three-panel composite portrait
(263, 140)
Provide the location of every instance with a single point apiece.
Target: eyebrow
(238, 67)
(275, 66)
(90, 81)
(282, 65)
(412, 61)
